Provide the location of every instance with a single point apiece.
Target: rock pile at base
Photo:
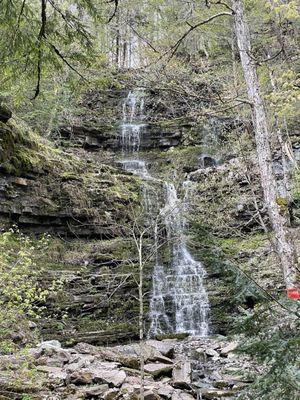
(196, 368)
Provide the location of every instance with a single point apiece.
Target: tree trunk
(141, 317)
(276, 206)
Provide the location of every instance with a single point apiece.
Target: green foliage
(22, 296)
(271, 337)
(34, 43)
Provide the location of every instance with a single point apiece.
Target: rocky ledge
(202, 368)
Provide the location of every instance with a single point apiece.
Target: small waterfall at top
(178, 302)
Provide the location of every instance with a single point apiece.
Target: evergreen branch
(41, 36)
(77, 26)
(58, 53)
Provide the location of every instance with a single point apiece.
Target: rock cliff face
(80, 195)
(82, 204)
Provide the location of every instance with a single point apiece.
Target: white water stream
(179, 302)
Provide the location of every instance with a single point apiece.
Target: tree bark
(141, 317)
(276, 206)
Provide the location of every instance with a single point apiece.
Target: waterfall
(178, 301)
(132, 124)
(186, 282)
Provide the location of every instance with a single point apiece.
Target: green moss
(232, 246)
(22, 150)
(296, 185)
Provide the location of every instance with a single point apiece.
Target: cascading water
(132, 124)
(178, 302)
(186, 282)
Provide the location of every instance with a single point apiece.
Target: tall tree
(278, 217)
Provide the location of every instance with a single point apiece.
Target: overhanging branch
(174, 48)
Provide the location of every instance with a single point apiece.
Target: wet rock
(158, 369)
(182, 374)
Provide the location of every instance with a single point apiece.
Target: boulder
(82, 377)
(182, 374)
(55, 374)
(22, 182)
(86, 348)
(158, 369)
(151, 395)
(94, 390)
(110, 394)
(211, 353)
(105, 372)
(180, 395)
(165, 347)
(165, 391)
(129, 355)
(229, 348)
(79, 361)
(51, 353)
(211, 394)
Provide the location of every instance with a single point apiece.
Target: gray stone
(151, 395)
(82, 377)
(229, 348)
(211, 394)
(96, 390)
(86, 348)
(129, 355)
(158, 369)
(82, 361)
(105, 372)
(182, 374)
(180, 395)
(211, 353)
(165, 347)
(165, 391)
(54, 373)
(111, 394)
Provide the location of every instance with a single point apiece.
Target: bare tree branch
(116, 2)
